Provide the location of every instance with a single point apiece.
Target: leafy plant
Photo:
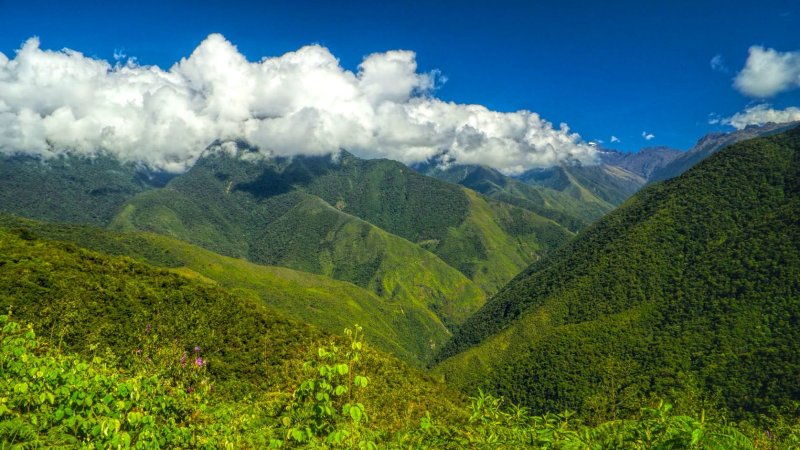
(325, 408)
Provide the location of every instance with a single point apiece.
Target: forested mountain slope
(354, 220)
(163, 360)
(689, 289)
(71, 189)
(409, 330)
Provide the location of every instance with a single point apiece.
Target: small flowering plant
(179, 368)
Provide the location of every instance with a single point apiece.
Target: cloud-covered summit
(302, 102)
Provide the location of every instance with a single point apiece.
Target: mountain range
(596, 288)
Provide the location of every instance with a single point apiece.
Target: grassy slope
(319, 238)
(497, 240)
(77, 298)
(691, 286)
(407, 330)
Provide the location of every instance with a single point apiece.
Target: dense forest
(691, 289)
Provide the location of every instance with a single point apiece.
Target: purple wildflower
(196, 349)
(200, 362)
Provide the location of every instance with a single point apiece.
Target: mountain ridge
(632, 301)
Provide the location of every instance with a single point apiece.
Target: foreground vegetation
(167, 399)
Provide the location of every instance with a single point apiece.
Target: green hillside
(314, 237)
(70, 189)
(691, 290)
(407, 330)
(231, 204)
(85, 302)
(497, 240)
(487, 241)
(263, 374)
(572, 195)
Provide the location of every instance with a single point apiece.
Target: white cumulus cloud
(768, 72)
(302, 102)
(647, 136)
(761, 114)
(615, 139)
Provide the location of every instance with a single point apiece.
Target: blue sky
(604, 68)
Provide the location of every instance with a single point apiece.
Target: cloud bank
(302, 102)
(759, 115)
(768, 72)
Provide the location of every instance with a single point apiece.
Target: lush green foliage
(690, 290)
(51, 399)
(48, 398)
(325, 409)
